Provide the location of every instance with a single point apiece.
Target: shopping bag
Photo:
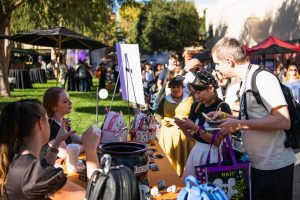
(113, 128)
(143, 127)
(232, 177)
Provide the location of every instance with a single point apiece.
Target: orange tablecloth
(166, 172)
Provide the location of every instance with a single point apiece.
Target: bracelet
(197, 135)
(224, 115)
(53, 150)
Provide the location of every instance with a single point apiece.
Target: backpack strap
(199, 104)
(197, 107)
(222, 102)
(254, 88)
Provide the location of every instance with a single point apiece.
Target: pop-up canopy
(273, 45)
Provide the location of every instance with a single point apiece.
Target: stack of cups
(73, 151)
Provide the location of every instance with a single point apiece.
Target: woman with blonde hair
(292, 80)
(292, 75)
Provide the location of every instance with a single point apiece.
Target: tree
(7, 7)
(92, 18)
(167, 25)
(129, 15)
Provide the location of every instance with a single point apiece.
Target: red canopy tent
(273, 45)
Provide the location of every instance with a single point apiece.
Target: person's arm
(189, 127)
(278, 120)
(69, 191)
(273, 98)
(62, 149)
(90, 140)
(62, 135)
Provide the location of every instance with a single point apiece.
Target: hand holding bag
(232, 177)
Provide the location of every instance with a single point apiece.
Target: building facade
(251, 21)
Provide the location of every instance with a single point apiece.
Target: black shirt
(197, 114)
(54, 128)
(32, 178)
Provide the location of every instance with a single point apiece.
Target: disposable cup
(73, 151)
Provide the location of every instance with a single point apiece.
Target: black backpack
(113, 183)
(292, 134)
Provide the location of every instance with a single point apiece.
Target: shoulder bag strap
(197, 107)
(222, 102)
(99, 185)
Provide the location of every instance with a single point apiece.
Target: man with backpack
(262, 124)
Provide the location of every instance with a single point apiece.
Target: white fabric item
(189, 77)
(265, 148)
(231, 89)
(171, 100)
(198, 157)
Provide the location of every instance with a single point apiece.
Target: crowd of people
(77, 78)
(225, 94)
(34, 134)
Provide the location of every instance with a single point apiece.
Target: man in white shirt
(262, 130)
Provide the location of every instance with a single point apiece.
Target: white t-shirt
(265, 148)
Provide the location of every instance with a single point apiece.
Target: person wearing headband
(173, 142)
(194, 127)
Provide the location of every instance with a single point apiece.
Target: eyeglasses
(295, 70)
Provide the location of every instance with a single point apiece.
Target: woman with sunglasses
(24, 175)
(292, 75)
(207, 100)
(173, 142)
(292, 80)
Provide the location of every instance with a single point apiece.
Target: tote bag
(232, 177)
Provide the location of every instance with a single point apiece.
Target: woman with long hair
(206, 100)
(24, 175)
(292, 75)
(292, 80)
(57, 103)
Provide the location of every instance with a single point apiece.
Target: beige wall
(251, 21)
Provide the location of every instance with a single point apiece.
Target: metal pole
(97, 104)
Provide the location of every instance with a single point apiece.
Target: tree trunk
(5, 51)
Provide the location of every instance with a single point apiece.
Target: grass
(84, 104)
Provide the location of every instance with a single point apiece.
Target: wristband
(53, 150)
(197, 135)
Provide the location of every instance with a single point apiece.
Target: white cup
(73, 151)
(97, 129)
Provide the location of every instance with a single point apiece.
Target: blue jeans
(272, 184)
(83, 83)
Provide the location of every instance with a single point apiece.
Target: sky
(206, 2)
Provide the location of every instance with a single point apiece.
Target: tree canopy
(129, 15)
(167, 25)
(92, 18)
